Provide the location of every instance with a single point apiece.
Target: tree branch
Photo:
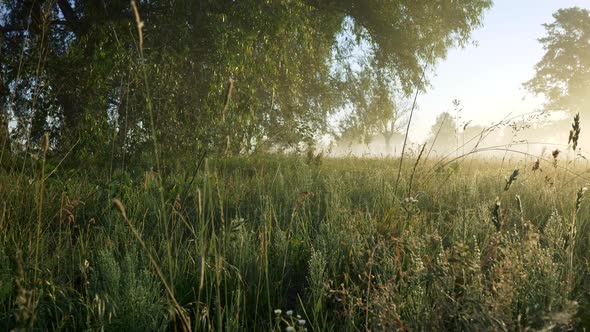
(67, 10)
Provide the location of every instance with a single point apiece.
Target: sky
(488, 78)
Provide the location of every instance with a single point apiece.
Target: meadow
(153, 173)
(295, 242)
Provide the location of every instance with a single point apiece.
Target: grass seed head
(555, 153)
(511, 179)
(575, 132)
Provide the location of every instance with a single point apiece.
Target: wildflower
(496, 218)
(289, 313)
(301, 322)
(278, 312)
(290, 329)
(411, 200)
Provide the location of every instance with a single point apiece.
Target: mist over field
(537, 137)
(294, 165)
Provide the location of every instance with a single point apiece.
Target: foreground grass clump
(275, 243)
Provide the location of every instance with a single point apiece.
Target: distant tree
(472, 132)
(377, 108)
(443, 134)
(563, 74)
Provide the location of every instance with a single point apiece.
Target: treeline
(210, 75)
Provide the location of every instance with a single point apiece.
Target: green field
(268, 242)
(294, 165)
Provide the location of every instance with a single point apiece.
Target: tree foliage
(71, 68)
(405, 35)
(563, 74)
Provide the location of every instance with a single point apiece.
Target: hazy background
(487, 78)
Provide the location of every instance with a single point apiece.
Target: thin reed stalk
(40, 204)
(401, 160)
(186, 324)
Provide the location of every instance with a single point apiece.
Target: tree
(73, 68)
(404, 36)
(376, 110)
(563, 74)
(443, 134)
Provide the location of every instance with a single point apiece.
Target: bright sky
(488, 78)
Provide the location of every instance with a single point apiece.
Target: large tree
(563, 74)
(72, 67)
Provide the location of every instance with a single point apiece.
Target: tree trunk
(71, 112)
(388, 137)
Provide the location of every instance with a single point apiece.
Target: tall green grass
(277, 242)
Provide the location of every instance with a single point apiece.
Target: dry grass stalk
(571, 241)
(26, 301)
(40, 202)
(414, 170)
(139, 25)
(520, 209)
(580, 197)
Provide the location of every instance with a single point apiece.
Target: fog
(535, 135)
